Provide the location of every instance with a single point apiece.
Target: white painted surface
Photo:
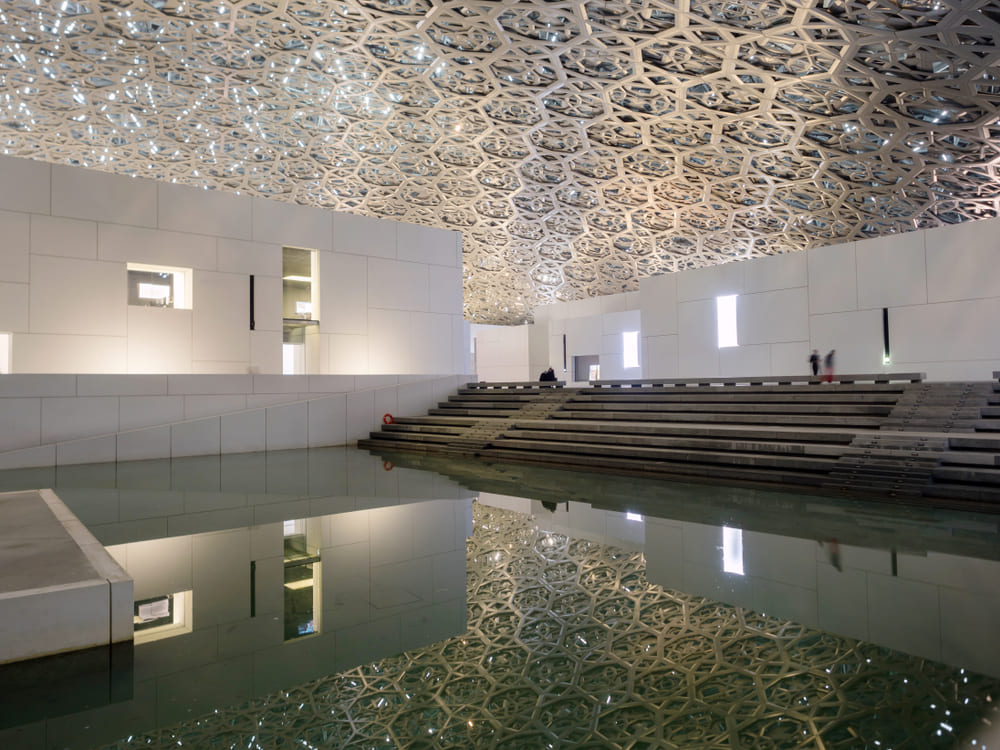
(67, 238)
(14, 233)
(292, 225)
(75, 296)
(13, 308)
(221, 325)
(63, 286)
(89, 194)
(209, 212)
(892, 271)
(364, 235)
(159, 339)
(202, 415)
(344, 285)
(833, 274)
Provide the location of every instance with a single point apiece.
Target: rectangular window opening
(586, 367)
(725, 307)
(630, 349)
(159, 286)
(5, 352)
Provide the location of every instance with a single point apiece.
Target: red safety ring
(387, 465)
(386, 418)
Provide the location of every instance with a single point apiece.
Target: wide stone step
(836, 420)
(968, 475)
(665, 454)
(713, 472)
(505, 396)
(457, 421)
(975, 443)
(970, 458)
(478, 413)
(680, 443)
(887, 471)
(731, 408)
(671, 429)
(411, 437)
(423, 428)
(710, 396)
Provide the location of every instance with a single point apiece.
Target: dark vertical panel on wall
(252, 321)
(564, 352)
(253, 587)
(885, 333)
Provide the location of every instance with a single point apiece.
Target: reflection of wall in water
(393, 579)
(575, 519)
(934, 605)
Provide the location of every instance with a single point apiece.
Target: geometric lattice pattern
(568, 646)
(578, 146)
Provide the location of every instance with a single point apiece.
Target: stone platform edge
(48, 620)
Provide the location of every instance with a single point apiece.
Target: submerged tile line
(568, 645)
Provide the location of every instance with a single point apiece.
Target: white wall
(502, 353)
(941, 288)
(59, 420)
(591, 326)
(391, 293)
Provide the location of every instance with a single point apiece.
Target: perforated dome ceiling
(577, 146)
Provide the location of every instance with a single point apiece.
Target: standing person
(814, 362)
(828, 366)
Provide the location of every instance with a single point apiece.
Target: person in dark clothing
(814, 362)
(549, 376)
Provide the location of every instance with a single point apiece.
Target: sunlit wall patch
(725, 309)
(633, 517)
(732, 550)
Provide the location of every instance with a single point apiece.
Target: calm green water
(579, 611)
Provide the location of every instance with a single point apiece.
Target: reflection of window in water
(302, 589)
(162, 616)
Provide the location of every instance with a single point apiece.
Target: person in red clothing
(828, 366)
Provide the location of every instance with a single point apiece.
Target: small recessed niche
(159, 286)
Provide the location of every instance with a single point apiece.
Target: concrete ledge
(515, 385)
(878, 377)
(60, 590)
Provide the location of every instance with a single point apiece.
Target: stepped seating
(883, 435)
(969, 469)
(989, 418)
(740, 430)
(857, 406)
